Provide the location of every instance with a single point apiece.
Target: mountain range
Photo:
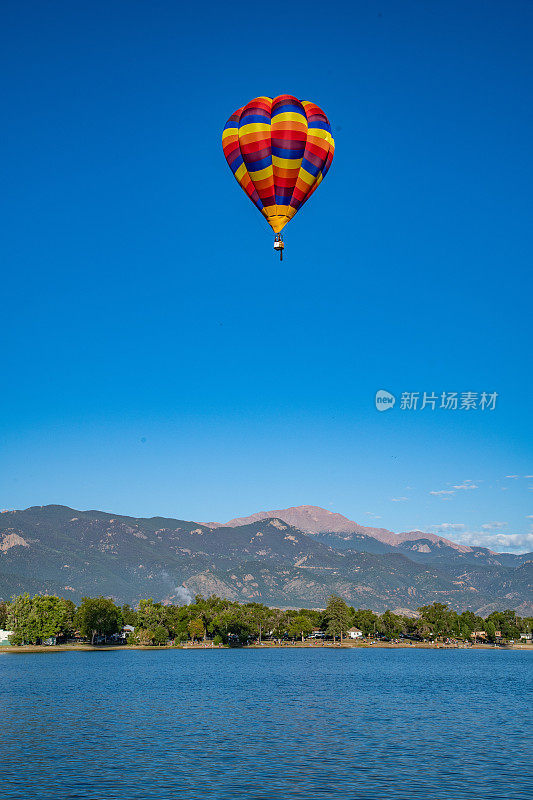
(318, 521)
(293, 557)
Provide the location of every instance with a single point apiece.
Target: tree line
(34, 620)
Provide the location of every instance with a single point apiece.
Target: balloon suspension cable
(279, 245)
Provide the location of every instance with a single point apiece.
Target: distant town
(47, 621)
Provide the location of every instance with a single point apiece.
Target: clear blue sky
(158, 359)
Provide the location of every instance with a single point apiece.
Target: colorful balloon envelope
(279, 150)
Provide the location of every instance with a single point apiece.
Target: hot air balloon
(279, 150)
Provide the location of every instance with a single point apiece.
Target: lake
(279, 724)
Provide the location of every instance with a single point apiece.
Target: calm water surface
(276, 724)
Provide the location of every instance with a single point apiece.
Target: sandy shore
(79, 648)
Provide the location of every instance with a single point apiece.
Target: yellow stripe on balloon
(286, 211)
(289, 116)
(306, 177)
(318, 135)
(254, 127)
(261, 174)
(240, 171)
(286, 163)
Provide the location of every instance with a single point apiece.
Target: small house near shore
(4, 637)
(354, 633)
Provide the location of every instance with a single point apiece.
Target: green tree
(69, 625)
(365, 620)
(141, 636)
(19, 619)
(150, 614)
(50, 616)
(175, 621)
(280, 623)
(469, 622)
(442, 620)
(392, 625)
(490, 630)
(337, 617)
(300, 626)
(160, 635)
(261, 618)
(196, 629)
(507, 622)
(235, 627)
(129, 615)
(3, 614)
(98, 616)
(422, 628)
(33, 620)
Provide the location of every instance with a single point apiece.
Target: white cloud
(398, 499)
(467, 484)
(447, 527)
(493, 526)
(529, 516)
(528, 476)
(503, 542)
(372, 515)
(514, 477)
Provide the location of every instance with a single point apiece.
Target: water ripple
(283, 725)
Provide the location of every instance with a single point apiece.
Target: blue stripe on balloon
(236, 163)
(310, 168)
(255, 166)
(289, 107)
(247, 119)
(281, 152)
(320, 124)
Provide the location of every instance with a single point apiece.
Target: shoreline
(84, 648)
